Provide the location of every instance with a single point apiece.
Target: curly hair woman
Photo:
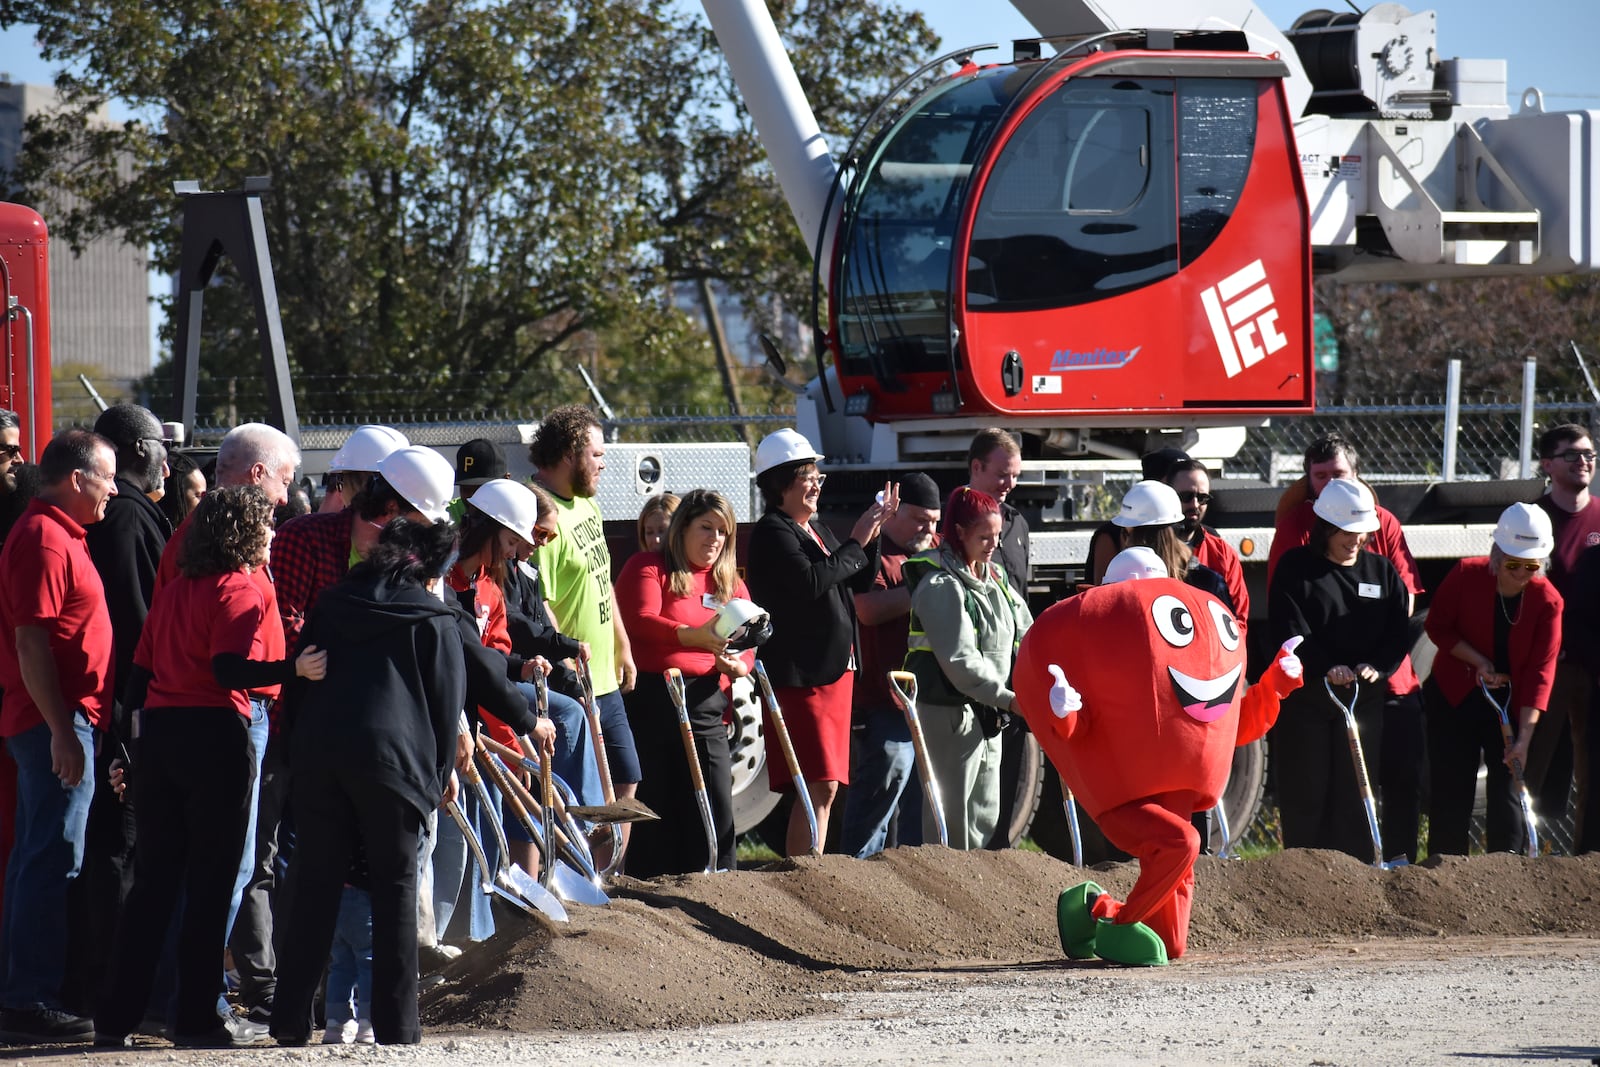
(195, 766)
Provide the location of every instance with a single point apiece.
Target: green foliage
(468, 196)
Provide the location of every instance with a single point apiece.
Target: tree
(1395, 339)
(466, 195)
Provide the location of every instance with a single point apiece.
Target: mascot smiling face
(1160, 667)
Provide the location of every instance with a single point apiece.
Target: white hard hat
(509, 503)
(423, 478)
(784, 446)
(1150, 504)
(1134, 563)
(738, 617)
(366, 448)
(1347, 504)
(1524, 532)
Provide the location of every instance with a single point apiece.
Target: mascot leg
(1153, 925)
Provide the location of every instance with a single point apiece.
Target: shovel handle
(903, 684)
(781, 729)
(508, 787)
(597, 736)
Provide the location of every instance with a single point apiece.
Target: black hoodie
(388, 709)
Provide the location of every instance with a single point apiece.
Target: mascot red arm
(1134, 691)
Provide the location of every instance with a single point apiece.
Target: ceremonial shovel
(1363, 783)
(1529, 822)
(781, 728)
(903, 684)
(696, 774)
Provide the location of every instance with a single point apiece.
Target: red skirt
(818, 717)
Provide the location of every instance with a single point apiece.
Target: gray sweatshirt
(946, 598)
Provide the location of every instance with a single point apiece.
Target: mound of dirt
(763, 944)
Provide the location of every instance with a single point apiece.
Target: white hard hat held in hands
(784, 446)
(1524, 532)
(742, 623)
(509, 503)
(1134, 563)
(1150, 504)
(423, 478)
(366, 448)
(1347, 504)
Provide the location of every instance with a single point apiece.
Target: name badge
(1370, 591)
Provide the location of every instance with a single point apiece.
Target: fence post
(1452, 418)
(1525, 459)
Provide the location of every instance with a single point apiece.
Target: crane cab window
(895, 269)
(1079, 204)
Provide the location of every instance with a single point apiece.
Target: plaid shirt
(309, 554)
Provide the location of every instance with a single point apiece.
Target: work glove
(1064, 700)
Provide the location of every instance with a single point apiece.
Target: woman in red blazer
(1496, 621)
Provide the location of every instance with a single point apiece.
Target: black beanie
(919, 490)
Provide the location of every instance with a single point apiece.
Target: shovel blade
(623, 809)
(574, 888)
(527, 887)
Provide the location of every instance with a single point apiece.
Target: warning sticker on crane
(1319, 167)
(1047, 383)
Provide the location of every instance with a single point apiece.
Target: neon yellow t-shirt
(576, 568)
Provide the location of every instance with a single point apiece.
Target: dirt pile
(764, 944)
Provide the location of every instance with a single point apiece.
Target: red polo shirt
(273, 646)
(192, 620)
(50, 582)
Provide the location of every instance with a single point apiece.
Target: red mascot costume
(1134, 690)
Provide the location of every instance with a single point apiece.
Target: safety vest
(932, 685)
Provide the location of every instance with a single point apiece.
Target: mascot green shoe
(1075, 921)
(1134, 944)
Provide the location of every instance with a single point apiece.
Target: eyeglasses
(1531, 566)
(544, 537)
(10, 451)
(1192, 497)
(814, 480)
(1573, 455)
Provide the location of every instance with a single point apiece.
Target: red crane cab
(1117, 234)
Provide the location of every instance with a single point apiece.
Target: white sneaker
(342, 1035)
(364, 1035)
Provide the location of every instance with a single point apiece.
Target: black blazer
(809, 595)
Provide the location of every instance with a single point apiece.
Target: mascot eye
(1227, 628)
(1173, 620)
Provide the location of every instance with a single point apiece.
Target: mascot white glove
(1064, 700)
(1288, 662)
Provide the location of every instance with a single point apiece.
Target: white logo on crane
(1244, 318)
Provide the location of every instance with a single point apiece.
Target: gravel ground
(1424, 1001)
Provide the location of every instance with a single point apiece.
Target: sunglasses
(11, 451)
(1191, 497)
(1522, 565)
(541, 538)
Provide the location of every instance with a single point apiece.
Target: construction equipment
(780, 728)
(533, 899)
(1363, 784)
(1530, 823)
(903, 685)
(563, 880)
(702, 799)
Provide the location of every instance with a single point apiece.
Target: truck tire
(1241, 800)
(1022, 779)
(752, 800)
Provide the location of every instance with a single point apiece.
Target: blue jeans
(574, 759)
(453, 864)
(51, 822)
(247, 861)
(350, 962)
(883, 778)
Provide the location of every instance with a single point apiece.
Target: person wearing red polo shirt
(56, 677)
(263, 456)
(194, 768)
(1192, 482)
(1400, 765)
